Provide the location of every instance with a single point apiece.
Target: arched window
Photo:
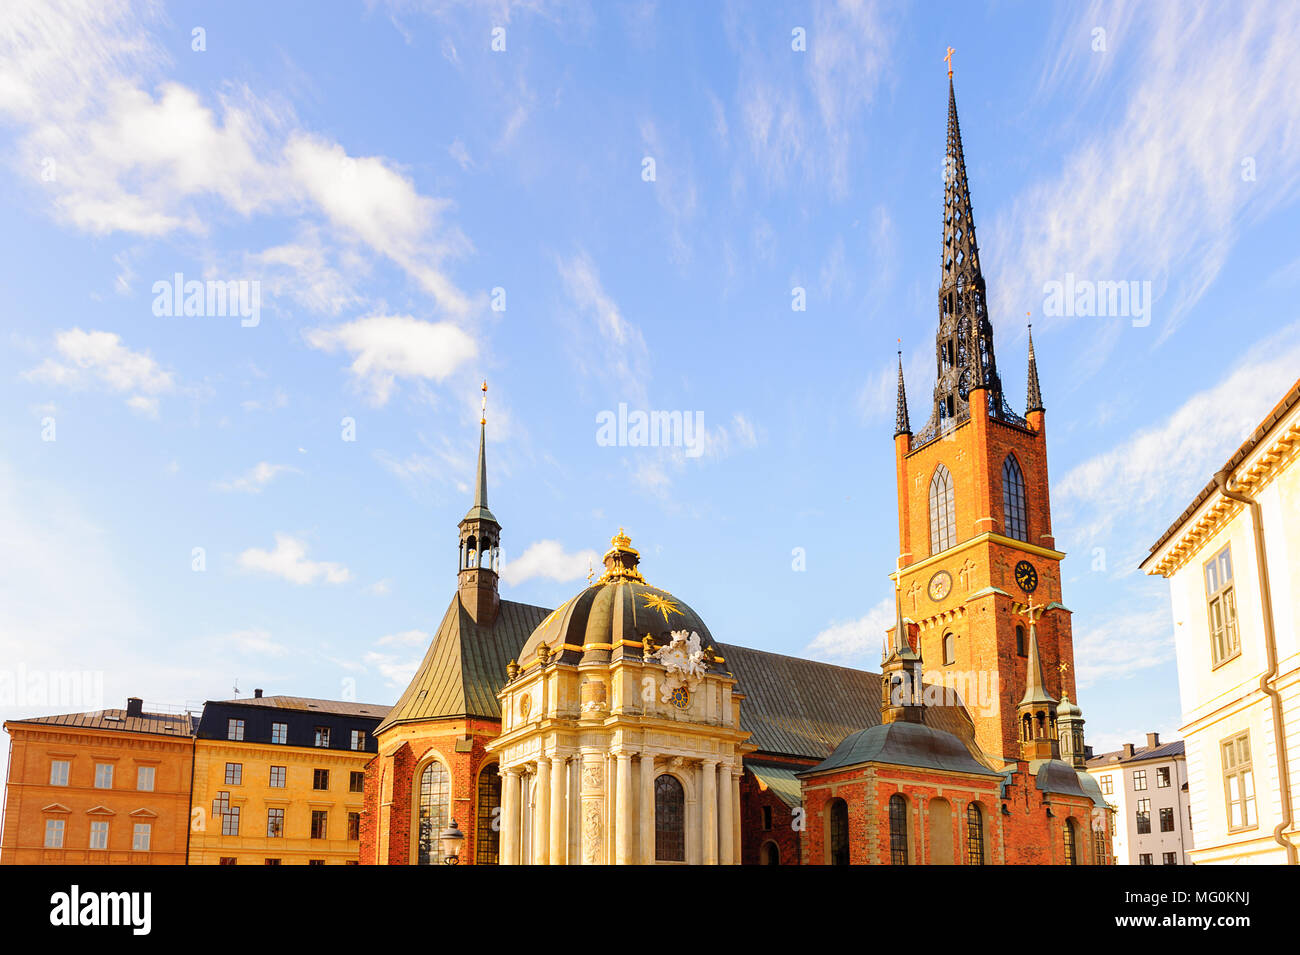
(839, 832)
(1071, 854)
(433, 803)
(771, 854)
(1014, 521)
(1020, 641)
(943, 511)
(487, 843)
(897, 830)
(974, 835)
(670, 820)
(949, 649)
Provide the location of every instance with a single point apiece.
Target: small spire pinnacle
(1035, 685)
(901, 425)
(1035, 402)
(901, 646)
(480, 488)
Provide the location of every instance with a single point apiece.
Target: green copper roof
(905, 744)
(465, 666)
(781, 780)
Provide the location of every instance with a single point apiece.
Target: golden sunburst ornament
(662, 604)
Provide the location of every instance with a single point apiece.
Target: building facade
(1148, 790)
(279, 781)
(110, 787)
(1232, 559)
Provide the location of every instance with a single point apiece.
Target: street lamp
(452, 840)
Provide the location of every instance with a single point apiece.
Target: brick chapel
(616, 729)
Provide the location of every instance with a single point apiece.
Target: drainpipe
(1270, 646)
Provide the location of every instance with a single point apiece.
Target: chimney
(1128, 750)
(1153, 740)
(134, 706)
(257, 694)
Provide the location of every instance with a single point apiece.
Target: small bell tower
(1037, 709)
(480, 544)
(900, 674)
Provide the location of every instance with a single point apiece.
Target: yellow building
(1233, 564)
(279, 780)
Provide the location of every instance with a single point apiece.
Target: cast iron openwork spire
(901, 424)
(964, 345)
(1035, 402)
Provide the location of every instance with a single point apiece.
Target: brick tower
(977, 556)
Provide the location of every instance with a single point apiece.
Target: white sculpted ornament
(685, 661)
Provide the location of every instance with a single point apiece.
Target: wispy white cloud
(548, 560)
(857, 642)
(625, 360)
(289, 561)
(1122, 646)
(254, 641)
(405, 638)
(100, 359)
(256, 478)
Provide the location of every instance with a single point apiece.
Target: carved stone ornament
(593, 778)
(685, 662)
(591, 832)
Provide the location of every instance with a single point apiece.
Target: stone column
(709, 809)
(559, 807)
(542, 812)
(593, 809)
(647, 809)
(623, 831)
(510, 819)
(735, 815)
(726, 844)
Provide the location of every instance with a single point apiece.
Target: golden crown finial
(621, 539)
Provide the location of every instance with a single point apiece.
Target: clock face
(1026, 576)
(940, 586)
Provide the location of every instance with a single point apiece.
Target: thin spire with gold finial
(479, 509)
(1035, 684)
(1035, 402)
(901, 424)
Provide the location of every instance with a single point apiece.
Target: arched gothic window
(670, 820)
(897, 830)
(487, 837)
(1071, 853)
(839, 832)
(1014, 518)
(771, 854)
(943, 511)
(434, 800)
(949, 649)
(974, 835)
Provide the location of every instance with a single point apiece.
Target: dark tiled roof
(1164, 751)
(163, 724)
(465, 666)
(1258, 435)
(797, 707)
(312, 705)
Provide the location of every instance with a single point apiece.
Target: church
(617, 729)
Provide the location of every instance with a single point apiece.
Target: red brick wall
(786, 830)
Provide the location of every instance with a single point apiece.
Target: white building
(1147, 788)
(1233, 564)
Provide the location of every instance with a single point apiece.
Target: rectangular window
(272, 861)
(1139, 780)
(319, 818)
(1145, 859)
(358, 739)
(230, 822)
(228, 860)
(1171, 858)
(234, 729)
(144, 778)
(140, 836)
(221, 804)
(354, 825)
(234, 774)
(315, 861)
(320, 779)
(278, 774)
(54, 833)
(1162, 778)
(1238, 782)
(103, 775)
(280, 733)
(274, 823)
(1166, 820)
(357, 783)
(1144, 816)
(59, 769)
(323, 736)
(99, 835)
(1221, 603)
(767, 818)
(1107, 786)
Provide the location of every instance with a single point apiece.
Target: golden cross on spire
(1029, 608)
(483, 418)
(948, 59)
(1063, 667)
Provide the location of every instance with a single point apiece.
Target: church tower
(975, 530)
(480, 544)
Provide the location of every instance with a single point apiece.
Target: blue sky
(380, 170)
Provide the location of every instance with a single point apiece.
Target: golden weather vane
(948, 59)
(483, 418)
